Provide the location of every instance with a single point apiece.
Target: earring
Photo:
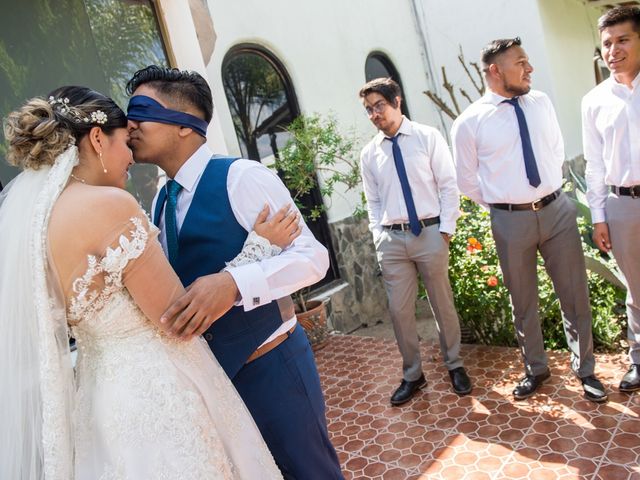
(101, 162)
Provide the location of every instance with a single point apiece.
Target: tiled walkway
(486, 435)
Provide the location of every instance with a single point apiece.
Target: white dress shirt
(251, 185)
(430, 171)
(611, 140)
(488, 151)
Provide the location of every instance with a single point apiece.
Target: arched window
(378, 65)
(263, 103)
(261, 100)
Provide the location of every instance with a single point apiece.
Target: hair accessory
(99, 117)
(62, 105)
(63, 102)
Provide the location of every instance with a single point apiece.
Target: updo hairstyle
(42, 129)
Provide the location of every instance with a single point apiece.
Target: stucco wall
(182, 41)
(570, 40)
(323, 46)
(556, 34)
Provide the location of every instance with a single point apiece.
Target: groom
(204, 213)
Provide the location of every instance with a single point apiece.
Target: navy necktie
(414, 223)
(527, 150)
(170, 222)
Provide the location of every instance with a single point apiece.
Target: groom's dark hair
(178, 87)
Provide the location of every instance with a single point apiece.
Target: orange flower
(492, 281)
(474, 245)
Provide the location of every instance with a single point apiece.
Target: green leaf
(611, 275)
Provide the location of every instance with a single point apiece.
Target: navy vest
(209, 237)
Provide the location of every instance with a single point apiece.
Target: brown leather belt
(267, 347)
(535, 206)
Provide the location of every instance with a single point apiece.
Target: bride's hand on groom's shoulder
(282, 228)
(206, 300)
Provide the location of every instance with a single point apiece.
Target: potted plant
(317, 146)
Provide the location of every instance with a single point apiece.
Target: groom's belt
(267, 347)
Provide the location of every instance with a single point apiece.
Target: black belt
(535, 205)
(633, 192)
(425, 222)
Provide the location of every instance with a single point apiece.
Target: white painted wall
(570, 39)
(323, 46)
(183, 42)
(558, 35)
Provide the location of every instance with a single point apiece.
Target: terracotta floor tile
(614, 472)
(555, 434)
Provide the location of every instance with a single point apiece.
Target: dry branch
(440, 103)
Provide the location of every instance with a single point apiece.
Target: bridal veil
(36, 374)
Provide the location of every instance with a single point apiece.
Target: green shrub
(482, 300)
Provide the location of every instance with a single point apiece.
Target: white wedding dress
(143, 406)
(147, 406)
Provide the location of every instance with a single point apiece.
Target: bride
(79, 257)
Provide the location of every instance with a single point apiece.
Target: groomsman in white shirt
(410, 184)
(509, 152)
(611, 138)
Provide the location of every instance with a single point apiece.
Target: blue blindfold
(145, 109)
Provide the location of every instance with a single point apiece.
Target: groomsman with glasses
(410, 185)
(509, 151)
(611, 138)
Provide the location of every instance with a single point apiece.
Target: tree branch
(441, 104)
(449, 88)
(479, 87)
(466, 95)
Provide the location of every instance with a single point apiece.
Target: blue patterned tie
(170, 223)
(406, 189)
(527, 150)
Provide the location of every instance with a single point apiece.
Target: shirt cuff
(598, 215)
(447, 227)
(252, 285)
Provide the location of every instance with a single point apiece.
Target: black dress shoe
(460, 381)
(631, 380)
(529, 384)
(593, 389)
(406, 390)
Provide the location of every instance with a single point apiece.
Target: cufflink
(256, 301)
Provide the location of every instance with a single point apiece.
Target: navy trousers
(282, 391)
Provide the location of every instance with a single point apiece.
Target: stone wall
(358, 297)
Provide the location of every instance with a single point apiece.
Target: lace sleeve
(104, 274)
(255, 248)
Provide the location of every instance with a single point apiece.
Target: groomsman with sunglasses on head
(410, 184)
(509, 151)
(611, 138)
